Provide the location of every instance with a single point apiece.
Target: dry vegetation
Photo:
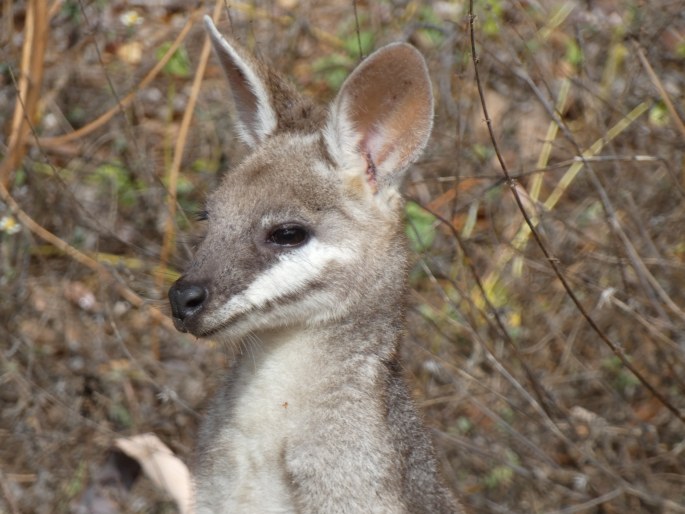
(108, 155)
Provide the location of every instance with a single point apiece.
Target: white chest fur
(246, 471)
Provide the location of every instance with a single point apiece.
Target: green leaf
(121, 415)
(680, 50)
(352, 43)
(499, 476)
(493, 13)
(574, 54)
(658, 115)
(179, 64)
(333, 68)
(420, 227)
(113, 176)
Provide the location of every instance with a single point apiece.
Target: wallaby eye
(288, 235)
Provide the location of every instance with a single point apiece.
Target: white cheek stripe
(293, 271)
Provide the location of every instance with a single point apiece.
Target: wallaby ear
(257, 118)
(383, 114)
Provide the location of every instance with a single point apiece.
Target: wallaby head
(308, 229)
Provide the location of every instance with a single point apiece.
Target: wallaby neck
(369, 333)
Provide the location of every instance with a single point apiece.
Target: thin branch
(174, 170)
(543, 398)
(660, 88)
(616, 348)
(57, 141)
(30, 81)
(7, 494)
(103, 272)
(356, 24)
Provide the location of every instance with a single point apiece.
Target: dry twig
(617, 349)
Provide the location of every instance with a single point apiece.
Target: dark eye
(288, 235)
(201, 216)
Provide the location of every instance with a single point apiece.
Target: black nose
(186, 299)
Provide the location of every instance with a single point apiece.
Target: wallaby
(303, 269)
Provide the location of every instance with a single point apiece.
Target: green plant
(420, 227)
(114, 177)
(179, 64)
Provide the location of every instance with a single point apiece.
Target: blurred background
(115, 124)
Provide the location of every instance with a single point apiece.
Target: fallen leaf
(162, 467)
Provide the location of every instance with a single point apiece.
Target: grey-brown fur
(314, 415)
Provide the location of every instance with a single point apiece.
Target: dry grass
(117, 139)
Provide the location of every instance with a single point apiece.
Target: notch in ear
(248, 79)
(383, 114)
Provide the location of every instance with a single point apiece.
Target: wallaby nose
(186, 299)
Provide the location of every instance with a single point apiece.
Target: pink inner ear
(389, 102)
(375, 144)
(378, 146)
(389, 142)
(371, 172)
